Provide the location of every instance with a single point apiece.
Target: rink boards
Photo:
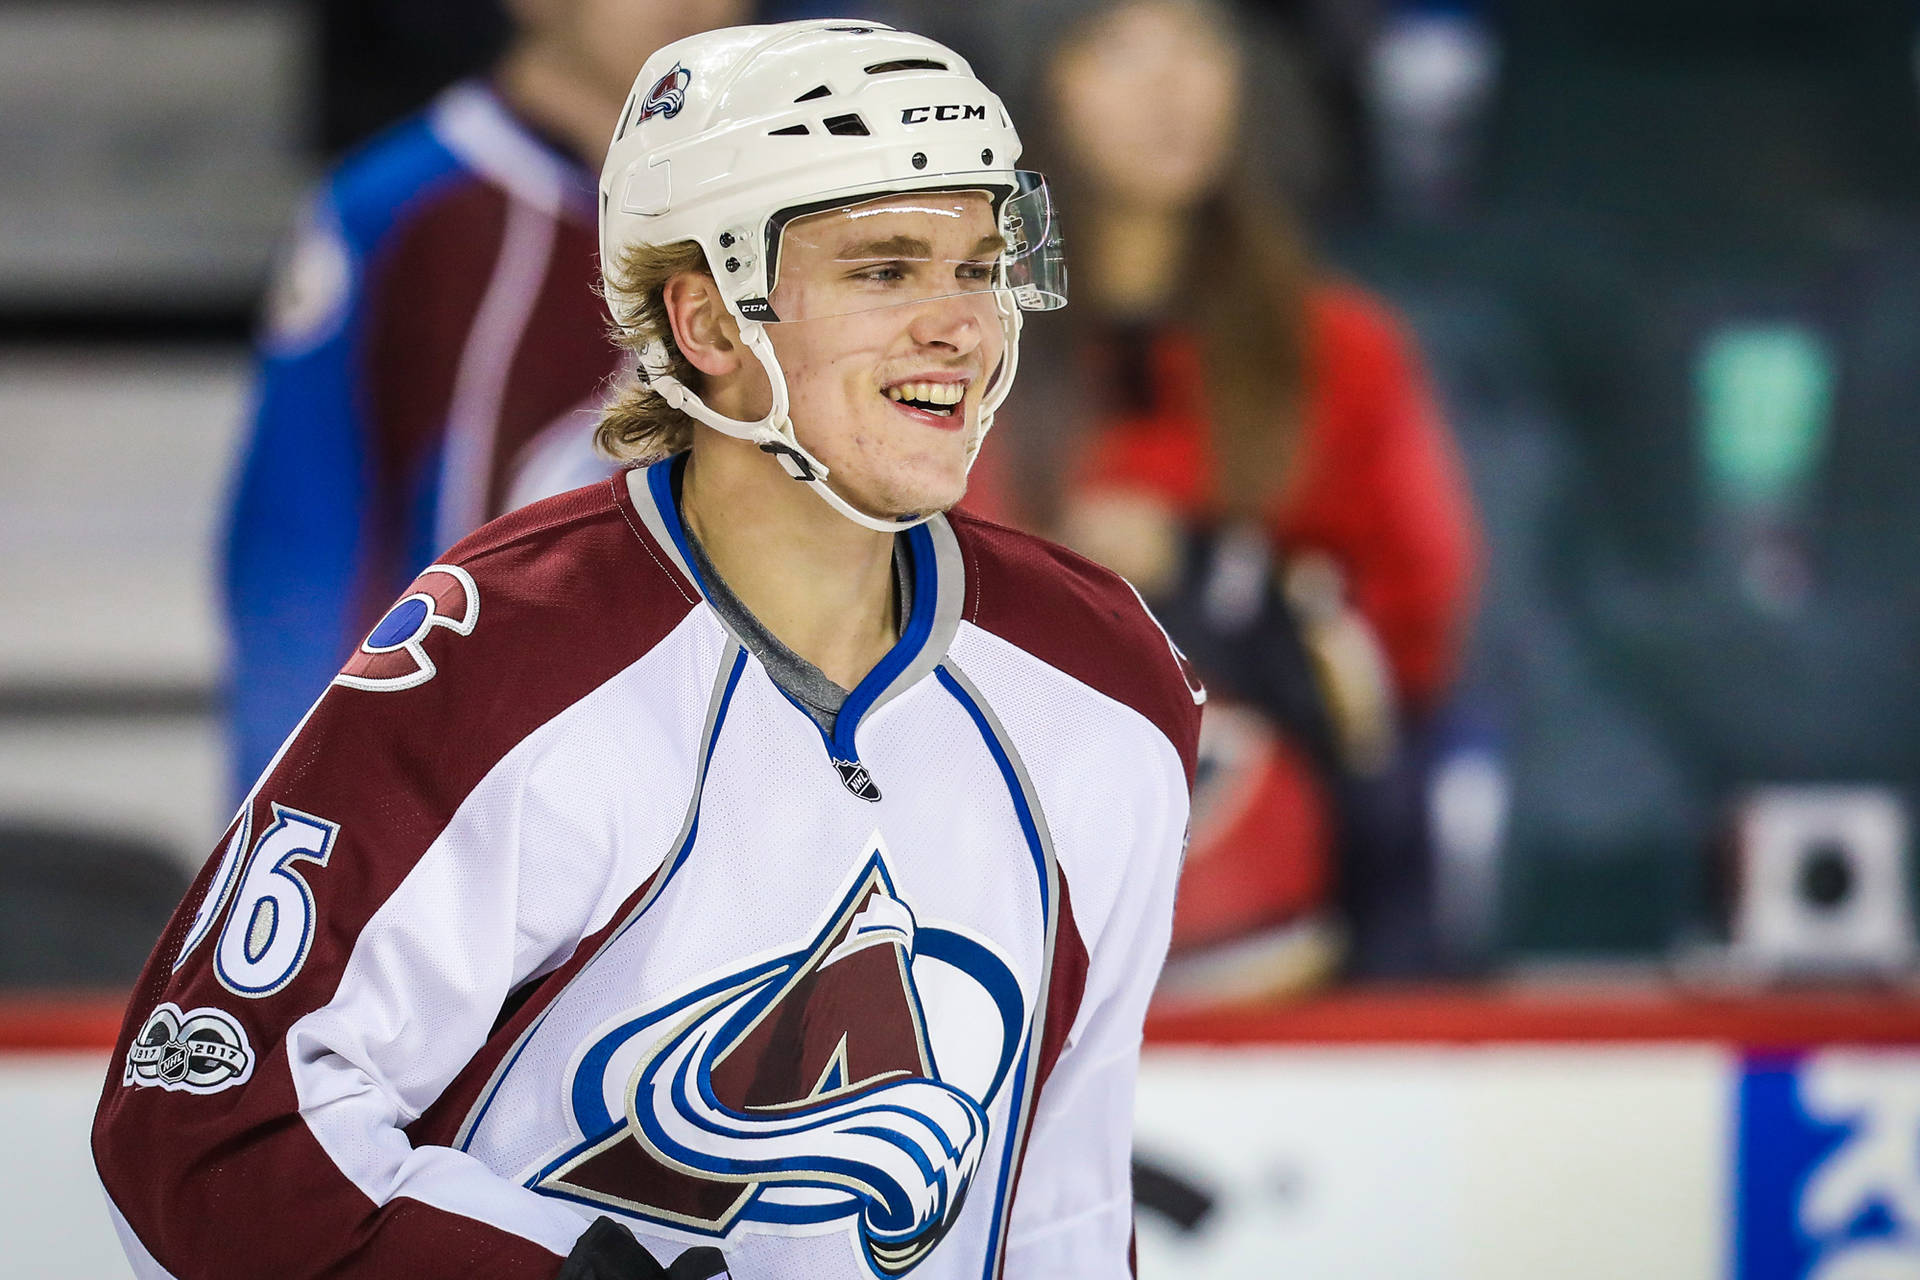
(1402, 1162)
(1580, 1162)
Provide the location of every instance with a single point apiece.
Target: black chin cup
(791, 459)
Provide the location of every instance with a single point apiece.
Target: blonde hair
(638, 424)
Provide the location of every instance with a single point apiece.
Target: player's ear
(703, 328)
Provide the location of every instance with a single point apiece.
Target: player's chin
(934, 485)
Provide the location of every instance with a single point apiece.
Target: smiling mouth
(934, 399)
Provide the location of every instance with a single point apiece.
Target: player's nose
(957, 322)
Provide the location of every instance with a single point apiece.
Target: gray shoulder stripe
(950, 575)
(651, 516)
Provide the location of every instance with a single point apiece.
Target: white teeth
(929, 392)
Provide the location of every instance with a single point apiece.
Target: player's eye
(975, 272)
(881, 273)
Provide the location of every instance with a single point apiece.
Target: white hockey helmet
(730, 135)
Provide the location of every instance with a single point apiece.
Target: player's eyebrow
(901, 246)
(913, 247)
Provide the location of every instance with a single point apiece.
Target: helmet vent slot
(906, 64)
(791, 131)
(848, 126)
(818, 91)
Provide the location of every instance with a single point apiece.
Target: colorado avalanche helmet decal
(668, 95)
(394, 654)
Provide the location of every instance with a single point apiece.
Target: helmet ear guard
(773, 433)
(730, 135)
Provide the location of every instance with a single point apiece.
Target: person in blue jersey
(431, 352)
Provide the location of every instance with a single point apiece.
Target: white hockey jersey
(557, 906)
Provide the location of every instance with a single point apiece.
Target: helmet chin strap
(776, 436)
(773, 433)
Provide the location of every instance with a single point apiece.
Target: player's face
(1146, 102)
(888, 334)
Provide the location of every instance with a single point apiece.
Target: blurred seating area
(1658, 261)
(1673, 328)
(154, 154)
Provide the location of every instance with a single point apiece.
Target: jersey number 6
(270, 928)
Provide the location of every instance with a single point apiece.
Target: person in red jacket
(1255, 446)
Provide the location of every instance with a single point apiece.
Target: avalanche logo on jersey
(668, 95)
(394, 654)
(812, 1092)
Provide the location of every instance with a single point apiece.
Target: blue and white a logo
(812, 1091)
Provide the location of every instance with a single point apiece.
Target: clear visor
(974, 238)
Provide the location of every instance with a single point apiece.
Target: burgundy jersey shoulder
(516, 622)
(1082, 619)
(572, 581)
(540, 548)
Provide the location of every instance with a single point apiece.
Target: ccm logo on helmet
(950, 111)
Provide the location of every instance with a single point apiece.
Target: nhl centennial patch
(195, 1051)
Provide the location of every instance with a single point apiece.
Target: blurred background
(1510, 406)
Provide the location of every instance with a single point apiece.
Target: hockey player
(740, 854)
(431, 353)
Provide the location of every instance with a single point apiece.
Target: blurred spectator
(1332, 40)
(1255, 447)
(1383, 101)
(432, 348)
(1428, 77)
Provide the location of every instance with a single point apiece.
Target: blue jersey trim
(660, 478)
(1028, 826)
(921, 563)
(913, 638)
(1032, 832)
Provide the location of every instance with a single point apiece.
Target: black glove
(608, 1251)
(703, 1263)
